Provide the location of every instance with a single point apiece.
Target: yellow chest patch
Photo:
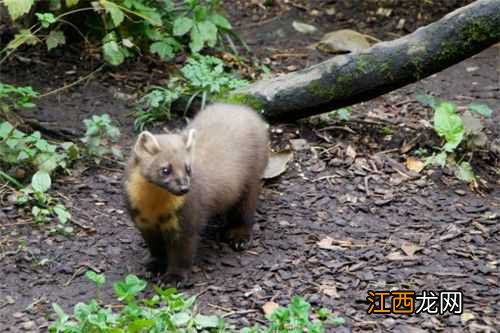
(155, 206)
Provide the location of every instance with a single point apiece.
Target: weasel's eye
(165, 171)
(188, 169)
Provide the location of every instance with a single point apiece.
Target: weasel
(175, 182)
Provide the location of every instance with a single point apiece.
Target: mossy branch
(353, 78)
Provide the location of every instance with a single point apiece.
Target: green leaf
(62, 213)
(6, 128)
(220, 21)
(46, 19)
(182, 25)
(203, 321)
(427, 100)
(71, 3)
(440, 159)
(448, 125)
(337, 321)
(71, 149)
(344, 114)
(181, 319)
(197, 40)
(209, 32)
(117, 153)
(41, 181)
(59, 311)
(18, 8)
(54, 39)
(162, 49)
(22, 37)
(116, 13)
(140, 325)
(129, 288)
(112, 53)
(465, 173)
(200, 13)
(98, 279)
(481, 108)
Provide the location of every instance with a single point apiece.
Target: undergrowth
(203, 77)
(462, 135)
(170, 311)
(29, 162)
(124, 28)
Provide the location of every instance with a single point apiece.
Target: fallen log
(348, 79)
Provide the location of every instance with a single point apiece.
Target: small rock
(18, 315)
(401, 24)
(299, 144)
(28, 325)
(304, 28)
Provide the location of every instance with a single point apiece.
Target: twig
(367, 190)
(344, 128)
(239, 312)
(219, 307)
(18, 223)
(325, 177)
(10, 179)
(77, 272)
(41, 299)
(55, 91)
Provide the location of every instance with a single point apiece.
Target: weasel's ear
(146, 144)
(189, 138)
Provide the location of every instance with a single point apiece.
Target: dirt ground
(345, 218)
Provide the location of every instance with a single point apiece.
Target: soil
(346, 217)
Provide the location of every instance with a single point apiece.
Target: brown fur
(225, 147)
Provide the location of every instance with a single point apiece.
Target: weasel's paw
(179, 279)
(239, 237)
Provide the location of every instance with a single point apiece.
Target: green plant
(100, 137)
(14, 97)
(342, 114)
(33, 155)
(169, 311)
(165, 311)
(296, 318)
(203, 77)
(157, 103)
(203, 23)
(462, 133)
(124, 27)
(44, 207)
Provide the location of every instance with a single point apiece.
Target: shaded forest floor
(345, 218)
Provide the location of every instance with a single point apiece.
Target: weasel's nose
(184, 189)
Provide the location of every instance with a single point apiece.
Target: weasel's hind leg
(240, 219)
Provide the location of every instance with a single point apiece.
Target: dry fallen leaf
(409, 248)
(329, 288)
(269, 307)
(344, 41)
(414, 164)
(466, 316)
(327, 244)
(398, 256)
(277, 164)
(350, 152)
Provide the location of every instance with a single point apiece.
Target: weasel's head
(166, 159)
